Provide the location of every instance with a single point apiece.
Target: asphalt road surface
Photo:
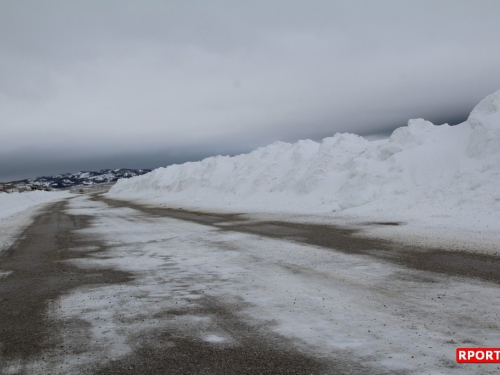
(99, 286)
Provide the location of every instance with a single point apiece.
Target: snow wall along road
(421, 171)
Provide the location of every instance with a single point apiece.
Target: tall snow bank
(485, 120)
(421, 171)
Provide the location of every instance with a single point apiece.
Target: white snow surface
(17, 210)
(426, 175)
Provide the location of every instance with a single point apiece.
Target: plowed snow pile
(14, 203)
(17, 210)
(422, 173)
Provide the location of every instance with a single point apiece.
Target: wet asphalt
(39, 277)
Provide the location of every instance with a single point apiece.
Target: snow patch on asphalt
(214, 339)
(4, 273)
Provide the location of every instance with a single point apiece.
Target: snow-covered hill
(423, 172)
(67, 180)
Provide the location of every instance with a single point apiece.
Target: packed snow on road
(338, 307)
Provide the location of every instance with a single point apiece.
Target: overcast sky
(97, 84)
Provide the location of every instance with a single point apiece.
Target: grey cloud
(96, 83)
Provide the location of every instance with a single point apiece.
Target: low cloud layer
(86, 83)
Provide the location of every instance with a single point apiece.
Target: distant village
(70, 180)
(21, 187)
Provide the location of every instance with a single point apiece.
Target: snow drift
(421, 171)
(17, 209)
(14, 203)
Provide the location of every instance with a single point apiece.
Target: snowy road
(101, 286)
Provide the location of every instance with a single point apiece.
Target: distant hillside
(68, 180)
